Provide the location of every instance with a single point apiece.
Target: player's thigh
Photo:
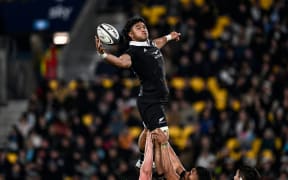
(155, 116)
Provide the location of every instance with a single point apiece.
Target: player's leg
(142, 136)
(155, 118)
(141, 146)
(142, 140)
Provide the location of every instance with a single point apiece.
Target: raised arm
(146, 168)
(162, 41)
(177, 165)
(165, 160)
(158, 159)
(123, 61)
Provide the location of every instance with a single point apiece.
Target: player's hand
(159, 136)
(99, 46)
(175, 35)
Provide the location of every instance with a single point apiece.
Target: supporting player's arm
(123, 61)
(158, 159)
(177, 165)
(165, 160)
(162, 41)
(146, 168)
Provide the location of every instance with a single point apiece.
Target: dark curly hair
(203, 173)
(249, 173)
(129, 25)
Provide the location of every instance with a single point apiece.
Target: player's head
(135, 29)
(198, 173)
(247, 173)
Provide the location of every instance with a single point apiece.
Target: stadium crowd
(228, 99)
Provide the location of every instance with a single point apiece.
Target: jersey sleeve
(131, 53)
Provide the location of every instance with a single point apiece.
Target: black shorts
(152, 114)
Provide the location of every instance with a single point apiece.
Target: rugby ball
(107, 34)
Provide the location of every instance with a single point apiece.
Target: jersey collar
(139, 43)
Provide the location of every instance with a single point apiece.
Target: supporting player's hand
(175, 35)
(159, 136)
(99, 46)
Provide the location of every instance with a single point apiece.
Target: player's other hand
(99, 46)
(175, 35)
(159, 136)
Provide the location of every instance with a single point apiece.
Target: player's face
(192, 175)
(139, 32)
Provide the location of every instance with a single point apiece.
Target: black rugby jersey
(148, 64)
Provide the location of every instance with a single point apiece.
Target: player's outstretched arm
(123, 61)
(146, 168)
(162, 41)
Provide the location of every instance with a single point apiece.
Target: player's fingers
(154, 136)
(96, 39)
(97, 42)
(178, 36)
(157, 130)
